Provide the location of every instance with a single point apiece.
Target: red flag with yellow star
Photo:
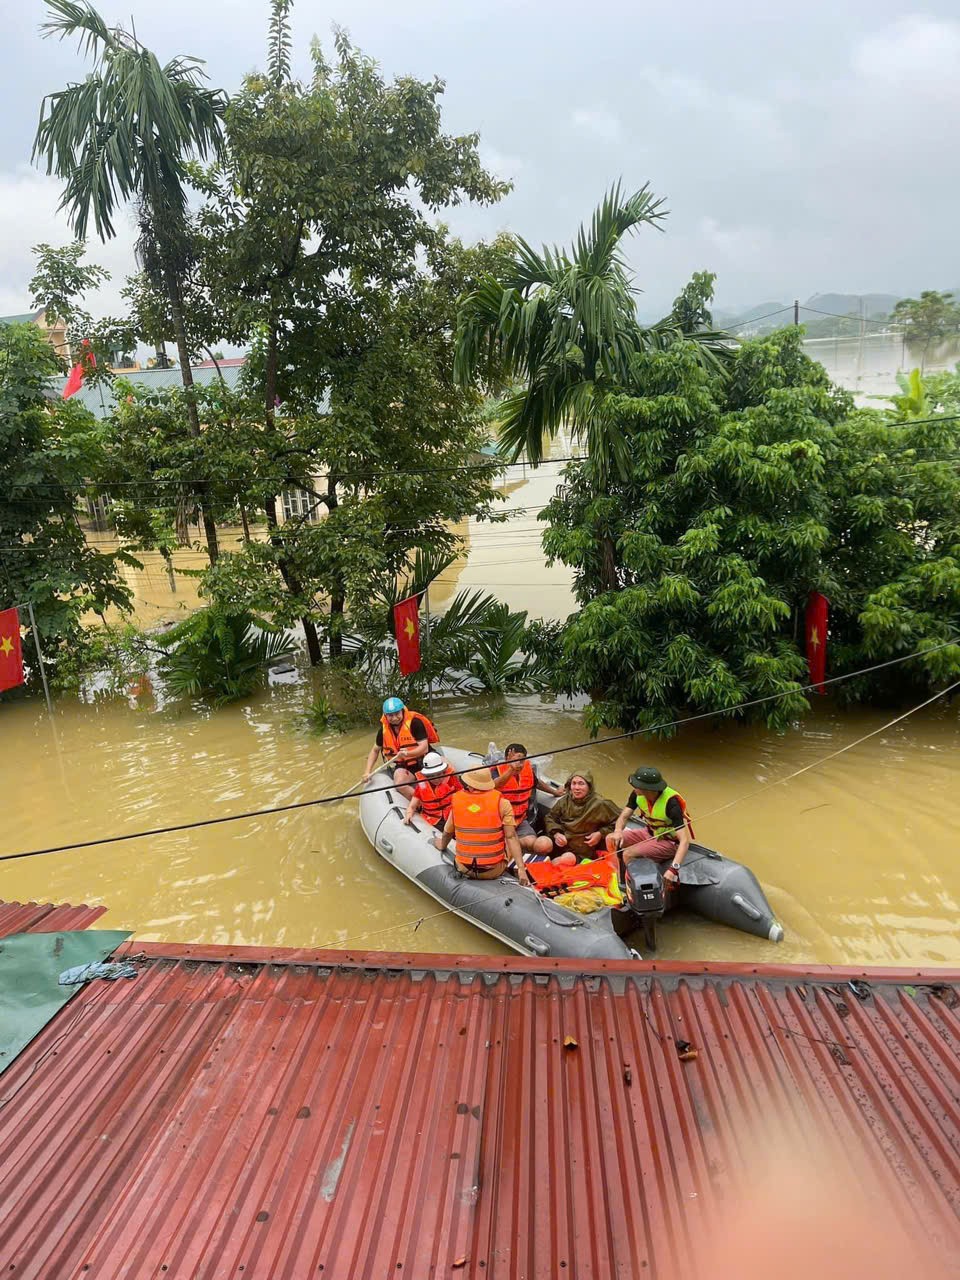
(406, 625)
(817, 639)
(11, 655)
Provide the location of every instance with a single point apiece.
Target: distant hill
(823, 315)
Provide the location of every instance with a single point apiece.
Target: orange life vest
(435, 795)
(600, 873)
(403, 737)
(519, 789)
(478, 828)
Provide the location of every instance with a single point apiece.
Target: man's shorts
(525, 829)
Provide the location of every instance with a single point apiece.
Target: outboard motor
(645, 899)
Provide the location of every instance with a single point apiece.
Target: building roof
(253, 1112)
(99, 398)
(28, 317)
(44, 917)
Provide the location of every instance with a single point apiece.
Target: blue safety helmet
(392, 706)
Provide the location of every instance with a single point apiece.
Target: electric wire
(777, 782)
(537, 755)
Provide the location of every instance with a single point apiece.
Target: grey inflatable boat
(710, 885)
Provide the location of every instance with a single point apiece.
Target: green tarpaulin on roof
(30, 966)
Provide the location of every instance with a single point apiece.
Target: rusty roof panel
(336, 1117)
(44, 917)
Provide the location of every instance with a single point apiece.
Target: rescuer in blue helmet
(404, 738)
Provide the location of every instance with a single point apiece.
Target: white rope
(832, 756)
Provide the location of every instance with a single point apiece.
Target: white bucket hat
(433, 764)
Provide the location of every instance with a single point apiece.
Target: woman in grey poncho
(579, 821)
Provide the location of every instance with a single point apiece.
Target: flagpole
(426, 635)
(43, 673)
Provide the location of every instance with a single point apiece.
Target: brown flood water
(860, 859)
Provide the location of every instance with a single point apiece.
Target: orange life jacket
(403, 737)
(435, 794)
(600, 873)
(519, 789)
(478, 828)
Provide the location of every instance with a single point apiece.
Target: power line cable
(748, 319)
(857, 319)
(538, 469)
(357, 477)
(538, 755)
(832, 756)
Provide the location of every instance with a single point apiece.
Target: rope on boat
(832, 756)
(537, 755)
(416, 921)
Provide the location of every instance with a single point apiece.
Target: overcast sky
(803, 147)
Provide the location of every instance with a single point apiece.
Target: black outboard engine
(645, 900)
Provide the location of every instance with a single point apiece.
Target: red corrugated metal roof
(236, 1112)
(44, 917)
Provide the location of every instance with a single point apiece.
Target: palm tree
(124, 133)
(564, 323)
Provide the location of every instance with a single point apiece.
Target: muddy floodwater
(860, 858)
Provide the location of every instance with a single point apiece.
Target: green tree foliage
(746, 493)
(60, 280)
(892, 570)
(126, 133)
(220, 655)
(48, 448)
(719, 531)
(319, 247)
(928, 319)
(563, 322)
(476, 645)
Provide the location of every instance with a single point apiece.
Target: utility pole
(796, 311)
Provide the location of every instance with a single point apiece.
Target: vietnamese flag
(406, 625)
(75, 378)
(11, 655)
(816, 631)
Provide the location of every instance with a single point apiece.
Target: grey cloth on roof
(87, 972)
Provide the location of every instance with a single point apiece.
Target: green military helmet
(647, 778)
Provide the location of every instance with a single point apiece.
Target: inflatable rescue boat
(711, 885)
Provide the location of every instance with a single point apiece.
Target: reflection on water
(859, 858)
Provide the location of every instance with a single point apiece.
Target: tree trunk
(338, 594)
(290, 579)
(186, 377)
(243, 521)
(609, 581)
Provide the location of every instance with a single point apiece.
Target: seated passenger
(578, 822)
(481, 822)
(436, 783)
(404, 738)
(517, 779)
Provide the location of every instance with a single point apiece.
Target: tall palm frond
(564, 322)
(128, 129)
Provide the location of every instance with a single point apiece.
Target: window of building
(299, 503)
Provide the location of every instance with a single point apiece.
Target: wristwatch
(674, 866)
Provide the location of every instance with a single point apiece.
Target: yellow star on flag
(409, 628)
(6, 645)
(814, 638)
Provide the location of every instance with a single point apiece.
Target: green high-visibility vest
(656, 817)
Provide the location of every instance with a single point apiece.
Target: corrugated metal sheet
(230, 1113)
(99, 397)
(44, 917)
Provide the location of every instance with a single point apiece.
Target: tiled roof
(251, 1113)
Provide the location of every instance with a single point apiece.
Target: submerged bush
(220, 655)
